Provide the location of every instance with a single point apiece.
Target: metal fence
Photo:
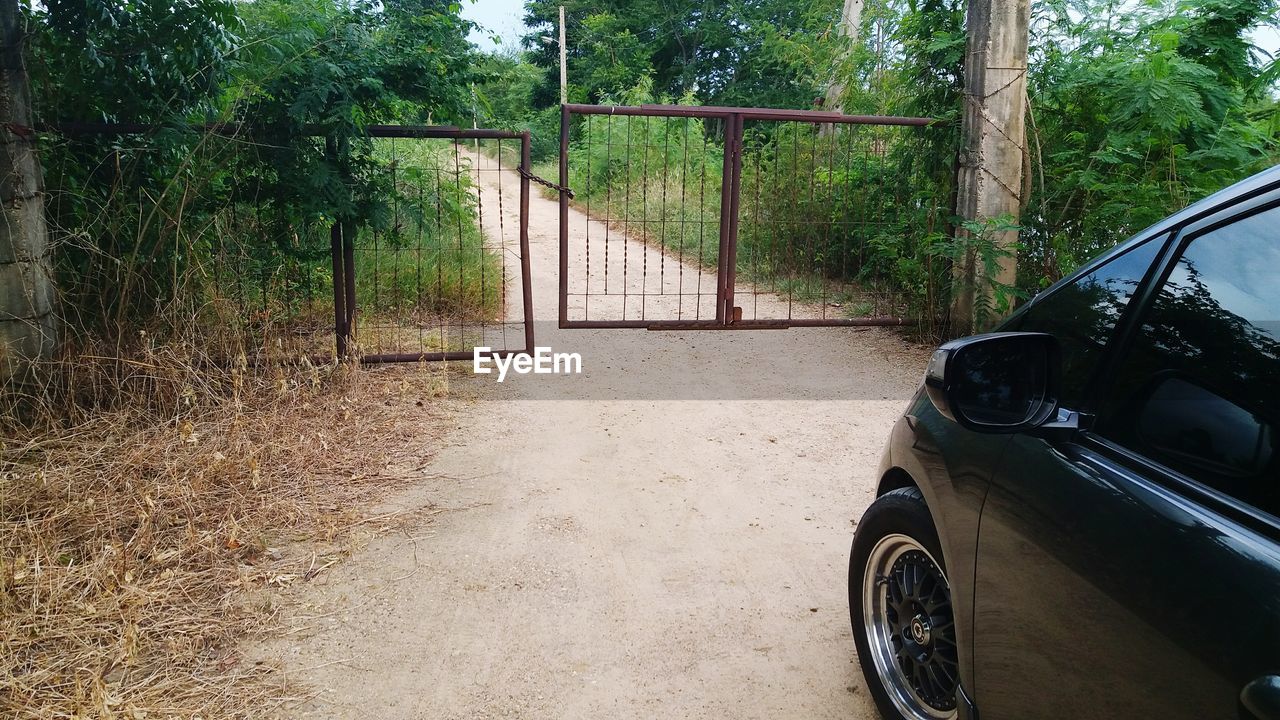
(439, 267)
(434, 283)
(708, 217)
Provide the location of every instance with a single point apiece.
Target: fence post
(28, 296)
(341, 315)
(349, 229)
(736, 194)
(726, 187)
(564, 215)
(730, 189)
(525, 279)
(993, 151)
(339, 291)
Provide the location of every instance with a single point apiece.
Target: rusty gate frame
(342, 249)
(728, 317)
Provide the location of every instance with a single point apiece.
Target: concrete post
(993, 144)
(28, 327)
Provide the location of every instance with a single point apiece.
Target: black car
(1079, 515)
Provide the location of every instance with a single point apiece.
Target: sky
(504, 18)
(1266, 38)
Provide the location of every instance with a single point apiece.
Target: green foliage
(847, 202)
(144, 221)
(1134, 115)
(505, 94)
(772, 53)
(105, 62)
(505, 101)
(1135, 111)
(978, 244)
(611, 57)
(149, 61)
(909, 61)
(333, 69)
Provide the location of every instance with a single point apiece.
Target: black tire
(899, 530)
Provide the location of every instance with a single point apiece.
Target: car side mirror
(1004, 382)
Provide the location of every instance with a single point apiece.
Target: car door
(1133, 570)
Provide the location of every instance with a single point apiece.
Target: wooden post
(993, 143)
(28, 325)
(564, 73)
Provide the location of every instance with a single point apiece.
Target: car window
(1083, 314)
(1199, 390)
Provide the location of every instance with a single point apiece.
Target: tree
(332, 70)
(161, 62)
(1132, 113)
(150, 61)
(1136, 113)
(771, 53)
(124, 213)
(850, 24)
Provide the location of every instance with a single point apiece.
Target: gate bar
(712, 111)
(733, 149)
(70, 129)
(723, 290)
(525, 257)
(564, 214)
(780, 324)
(339, 292)
(349, 282)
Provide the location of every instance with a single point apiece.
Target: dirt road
(669, 539)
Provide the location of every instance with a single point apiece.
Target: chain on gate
(546, 183)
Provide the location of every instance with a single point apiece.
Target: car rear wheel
(900, 604)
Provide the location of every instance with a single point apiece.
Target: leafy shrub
(233, 226)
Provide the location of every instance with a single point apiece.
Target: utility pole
(28, 325)
(564, 75)
(475, 116)
(850, 24)
(992, 149)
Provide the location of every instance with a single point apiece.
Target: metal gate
(448, 272)
(726, 218)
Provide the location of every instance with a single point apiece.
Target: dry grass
(136, 534)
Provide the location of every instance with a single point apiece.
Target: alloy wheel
(910, 628)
